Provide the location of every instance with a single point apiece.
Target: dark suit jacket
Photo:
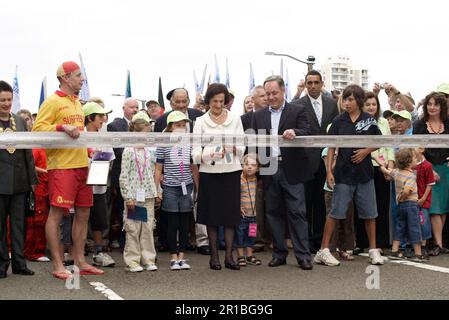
(118, 125)
(17, 170)
(247, 119)
(294, 160)
(330, 111)
(161, 123)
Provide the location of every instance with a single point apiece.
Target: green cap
(176, 116)
(403, 114)
(142, 115)
(93, 107)
(443, 88)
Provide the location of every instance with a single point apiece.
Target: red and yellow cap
(67, 67)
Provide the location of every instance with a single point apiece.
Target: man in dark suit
(179, 101)
(288, 170)
(321, 110)
(130, 108)
(18, 177)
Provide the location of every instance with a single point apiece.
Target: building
(338, 73)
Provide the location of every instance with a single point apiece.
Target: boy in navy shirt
(354, 174)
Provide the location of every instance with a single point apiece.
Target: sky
(404, 43)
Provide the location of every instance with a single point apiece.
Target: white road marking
(414, 264)
(108, 293)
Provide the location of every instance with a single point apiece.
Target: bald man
(130, 108)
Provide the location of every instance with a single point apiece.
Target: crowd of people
(326, 204)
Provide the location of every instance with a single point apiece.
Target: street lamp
(310, 59)
(122, 95)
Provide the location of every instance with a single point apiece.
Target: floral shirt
(129, 176)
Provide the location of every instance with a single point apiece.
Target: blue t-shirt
(346, 171)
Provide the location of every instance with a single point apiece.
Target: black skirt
(219, 199)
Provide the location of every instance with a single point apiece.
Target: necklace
(11, 128)
(216, 117)
(440, 129)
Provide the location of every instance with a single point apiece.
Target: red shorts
(67, 188)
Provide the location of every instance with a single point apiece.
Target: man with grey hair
(116, 238)
(284, 186)
(179, 101)
(260, 102)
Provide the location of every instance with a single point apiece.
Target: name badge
(252, 232)
(184, 188)
(140, 196)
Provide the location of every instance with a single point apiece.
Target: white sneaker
(325, 257)
(103, 260)
(183, 265)
(134, 267)
(150, 267)
(174, 265)
(375, 257)
(43, 259)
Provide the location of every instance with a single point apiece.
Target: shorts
(174, 201)
(364, 195)
(67, 188)
(98, 213)
(426, 226)
(242, 238)
(407, 225)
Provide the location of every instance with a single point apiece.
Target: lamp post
(140, 100)
(310, 59)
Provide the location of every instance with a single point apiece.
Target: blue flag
(85, 92)
(287, 87)
(128, 86)
(43, 95)
(227, 81)
(217, 72)
(203, 79)
(16, 94)
(252, 82)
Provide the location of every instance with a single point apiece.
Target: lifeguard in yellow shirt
(67, 169)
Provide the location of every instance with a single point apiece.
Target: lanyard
(138, 166)
(250, 197)
(181, 162)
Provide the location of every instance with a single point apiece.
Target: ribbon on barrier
(59, 140)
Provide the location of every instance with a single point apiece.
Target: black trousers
(277, 194)
(316, 207)
(14, 206)
(178, 221)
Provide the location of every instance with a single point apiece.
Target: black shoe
(305, 265)
(2, 274)
(357, 251)
(258, 247)
(435, 251)
(205, 250)
(275, 262)
(215, 266)
(190, 247)
(232, 265)
(24, 272)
